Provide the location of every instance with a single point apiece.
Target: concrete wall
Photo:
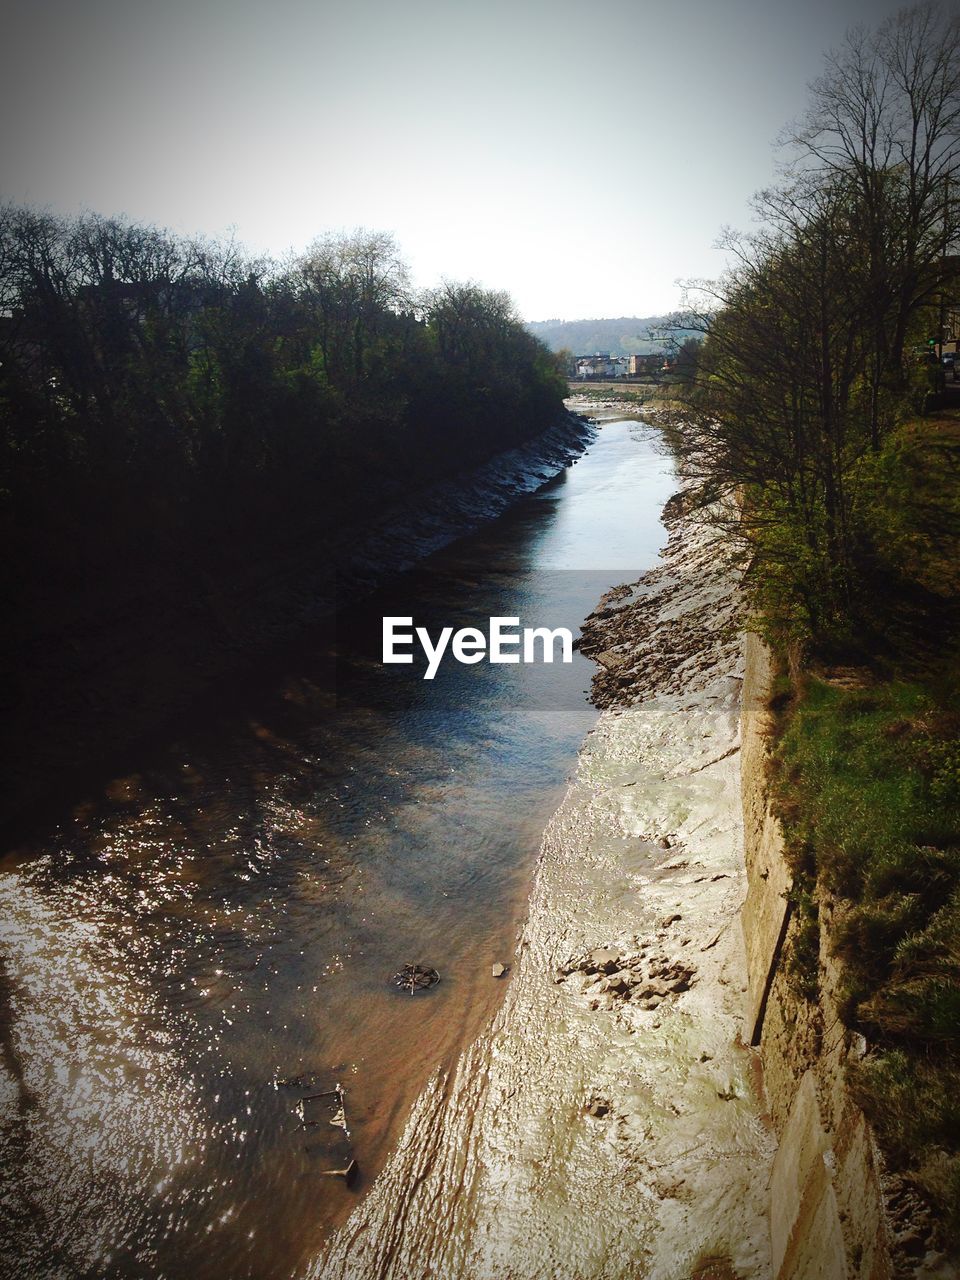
(826, 1206)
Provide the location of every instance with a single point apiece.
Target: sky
(584, 158)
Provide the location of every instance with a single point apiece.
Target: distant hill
(624, 336)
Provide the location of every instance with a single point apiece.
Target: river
(226, 916)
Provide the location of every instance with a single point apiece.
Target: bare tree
(351, 280)
(886, 114)
(469, 321)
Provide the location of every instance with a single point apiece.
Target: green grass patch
(869, 794)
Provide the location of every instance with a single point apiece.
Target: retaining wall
(826, 1205)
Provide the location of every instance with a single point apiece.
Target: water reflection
(229, 914)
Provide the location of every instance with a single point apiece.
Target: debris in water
(308, 1080)
(332, 1100)
(416, 977)
(320, 1112)
(347, 1173)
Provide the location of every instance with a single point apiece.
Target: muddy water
(227, 915)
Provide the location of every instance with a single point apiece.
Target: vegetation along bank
(816, 403)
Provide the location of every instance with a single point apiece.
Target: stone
(598, 1108)
(669, 920)
(616, 982)
(499, 970)
(653, 990)
(604, 960)
(608, 659)
(858, 1045)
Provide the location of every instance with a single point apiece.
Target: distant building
(602, 365)
(599, 365)
(645, 364)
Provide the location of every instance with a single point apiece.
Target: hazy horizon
(580, 163)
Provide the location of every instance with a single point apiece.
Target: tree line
(822, 340)
(164, 398)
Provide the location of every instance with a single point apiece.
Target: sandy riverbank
(607, 1124)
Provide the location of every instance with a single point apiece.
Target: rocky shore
(608, 1123)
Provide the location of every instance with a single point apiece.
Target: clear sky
(582, 157)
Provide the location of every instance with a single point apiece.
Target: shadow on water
(229, 912)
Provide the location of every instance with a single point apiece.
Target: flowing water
(211, 937)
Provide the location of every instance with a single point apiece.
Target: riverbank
(609, 1120)
(116, 672)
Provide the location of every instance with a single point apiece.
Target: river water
(211, 937)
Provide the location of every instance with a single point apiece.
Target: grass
(869, 793)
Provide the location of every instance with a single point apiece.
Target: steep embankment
(826, 1207)
(834, 1210)
(98, 680)
(608, 1122)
